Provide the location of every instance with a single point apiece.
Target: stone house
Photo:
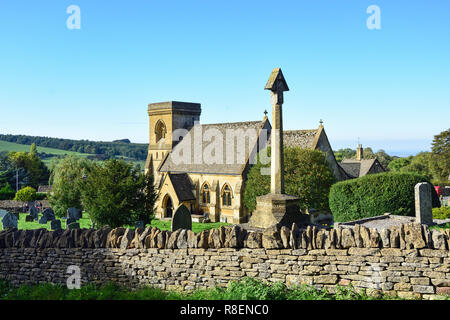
(358, 167)
(205, 166)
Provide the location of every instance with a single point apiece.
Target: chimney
(359, 153)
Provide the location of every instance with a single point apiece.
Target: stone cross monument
(276, 207)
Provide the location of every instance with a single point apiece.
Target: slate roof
(182, 185)
(299, 138)
(357, 168)
(197, 164)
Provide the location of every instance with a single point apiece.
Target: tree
(398, 163)
(26, 194)
(115, 193)
(67, 182)
(306, 175)
(419, 164)
(37, 170)
(440, 157)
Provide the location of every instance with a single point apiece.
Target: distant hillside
(136, 151)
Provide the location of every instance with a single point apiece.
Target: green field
(10, 146)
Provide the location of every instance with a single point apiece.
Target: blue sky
(389, 87)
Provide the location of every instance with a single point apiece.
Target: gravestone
(139, 224)
(182, 219)
(48, 214)
(3, 213)
(34, 212)
(69, 221)
(73, 225)
(29, 218)
(423, 203)
(9, 221)
(74, 213)
(43, 220)
(55, 224)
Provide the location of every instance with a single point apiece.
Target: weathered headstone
(73, 225)
(34, 212)
(182, 218)
(43, 220)
(69, 221)
(55, 224)
(48, 214)
(423, 203)
(3, 213)
(139, 224)
(74, 213)
(29, 218)
(9, 221)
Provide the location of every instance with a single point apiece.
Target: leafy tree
(398, 163)
(306, 175)
(67, 181)
(37, 170)
(26, 194)
(116, 193)
(419, 164)
(9, 171)
(383, 158)
(440, 158)
(346, 153)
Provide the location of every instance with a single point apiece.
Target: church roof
(195, 163)
(357, 168)
(299, 138)
(182, 185)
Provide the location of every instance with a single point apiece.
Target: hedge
(376, 194)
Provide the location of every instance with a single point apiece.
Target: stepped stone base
(279, 209)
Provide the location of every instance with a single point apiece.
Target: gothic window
(160, 130)
(205, 193)
(226, 195)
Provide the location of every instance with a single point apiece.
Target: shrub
(66, 179)
(306, 175)
(26, 194)
(7, 193)
(41, 196)
(115, 193)
(441, 213)
(375, 194)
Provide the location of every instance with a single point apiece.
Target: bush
(116, 194)
(441, 213)
(306, 175)
(67, 179)
(26, 194)
(376, 194)
(7, 193)
(41, 196)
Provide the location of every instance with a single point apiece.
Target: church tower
(164, 118)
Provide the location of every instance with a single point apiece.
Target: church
(205, 166)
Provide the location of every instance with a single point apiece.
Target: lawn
(85, 222)
(10, 146)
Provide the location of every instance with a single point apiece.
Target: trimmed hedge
(376, 194)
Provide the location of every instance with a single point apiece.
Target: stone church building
(206, 179)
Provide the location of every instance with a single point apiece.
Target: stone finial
(276, 82)
(423, 203)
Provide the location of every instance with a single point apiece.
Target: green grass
(245, 289)
(85, 222)
(196, 226)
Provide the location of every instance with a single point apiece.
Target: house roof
(194, 162)
(357, 168)
(44, 188)
(298, 138)
(182, 185)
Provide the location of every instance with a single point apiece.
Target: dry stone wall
(411, 260)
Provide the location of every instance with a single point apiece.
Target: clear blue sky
(389, 87)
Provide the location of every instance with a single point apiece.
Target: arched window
(160, 130)
(205, 193)
(226, 195)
